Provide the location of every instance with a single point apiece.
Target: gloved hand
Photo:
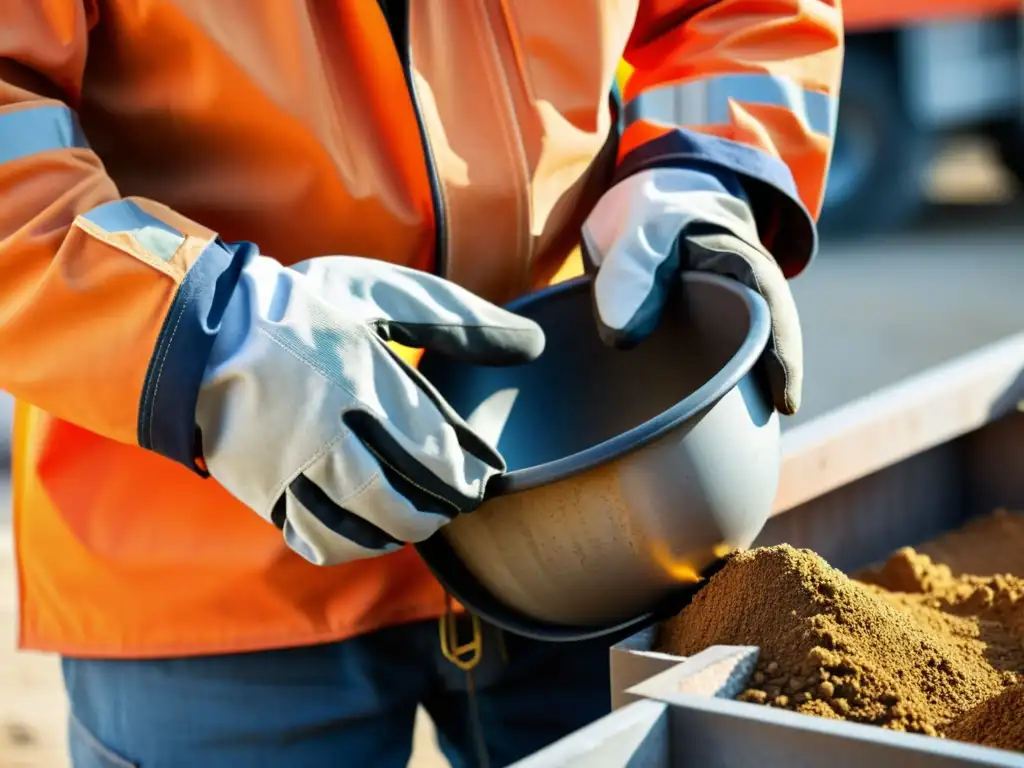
(310, 419)
(655, 224)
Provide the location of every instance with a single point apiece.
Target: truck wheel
(875, 182)
(1009, 139)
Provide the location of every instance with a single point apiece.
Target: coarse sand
(912, 646)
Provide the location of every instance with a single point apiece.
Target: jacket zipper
(396, 13)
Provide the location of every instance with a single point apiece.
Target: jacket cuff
(167, 423)
(785, 227)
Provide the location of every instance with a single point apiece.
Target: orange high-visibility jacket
(140, 142)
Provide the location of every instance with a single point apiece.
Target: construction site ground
(873, 311)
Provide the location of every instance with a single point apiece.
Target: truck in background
(916, 72)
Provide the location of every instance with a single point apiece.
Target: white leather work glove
(653, 225)
(310, 419)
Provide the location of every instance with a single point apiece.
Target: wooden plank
(918, 413)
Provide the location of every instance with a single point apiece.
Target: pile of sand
(993, 723)
(918, 649)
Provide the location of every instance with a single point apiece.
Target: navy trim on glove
(786, 227)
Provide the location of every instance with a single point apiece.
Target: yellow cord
(449, 631)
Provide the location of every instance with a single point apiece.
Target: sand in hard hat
(911, 660)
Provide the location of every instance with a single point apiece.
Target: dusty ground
(873, 312)
(32, 705)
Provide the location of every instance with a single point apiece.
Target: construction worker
(213, 215)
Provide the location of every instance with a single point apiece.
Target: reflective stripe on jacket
(141, 143)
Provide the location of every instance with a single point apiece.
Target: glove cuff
(784, 225)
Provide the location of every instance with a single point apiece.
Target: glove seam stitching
(760, 251)
(159, 373)
(404, 476)
(312, 363)
(376, 475)
(772, 321)
(323, 450)
(385, 321)
(272, 336)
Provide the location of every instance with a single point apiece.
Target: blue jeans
(351, 703)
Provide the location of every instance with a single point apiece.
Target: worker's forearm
(108, 305)
(756, 92)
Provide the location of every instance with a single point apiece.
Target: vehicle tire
(876, 180)
(1009, 140)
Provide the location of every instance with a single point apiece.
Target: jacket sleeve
(740, 89)
(108, 305)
